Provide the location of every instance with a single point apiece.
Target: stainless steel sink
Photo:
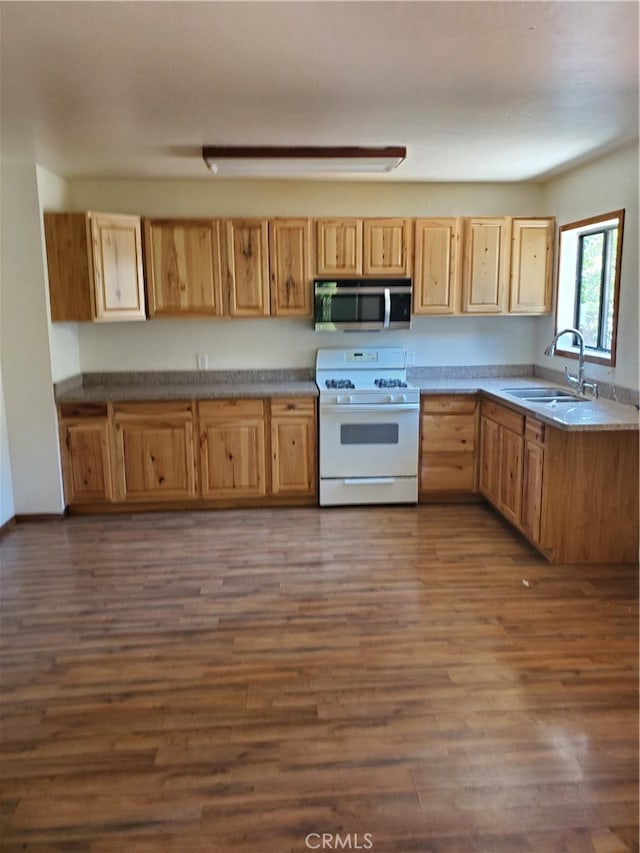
(545, 395)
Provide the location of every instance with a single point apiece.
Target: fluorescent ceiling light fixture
(300, 160)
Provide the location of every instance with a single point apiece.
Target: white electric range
(368, 428)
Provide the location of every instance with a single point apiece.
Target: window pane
(590, 275)
(611, 277)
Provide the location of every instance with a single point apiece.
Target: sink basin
(545, 395)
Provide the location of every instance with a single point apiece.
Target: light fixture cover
(298, 160)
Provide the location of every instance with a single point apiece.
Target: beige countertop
(602, 414)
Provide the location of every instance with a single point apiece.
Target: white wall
(174, 344)
(24, 347)
(608, 184)
(7, 505)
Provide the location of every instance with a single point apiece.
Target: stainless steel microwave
(362, 304)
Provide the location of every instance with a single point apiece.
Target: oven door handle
(387, 308)
(372, 407)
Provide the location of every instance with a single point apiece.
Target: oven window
(368, 433)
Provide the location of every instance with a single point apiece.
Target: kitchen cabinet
(374, 247)
(448, 428)
(436, 265)
(485, 265)
(247, 267)
(338, 247)
(85, 453)
(94, 264)
(154, 458)
(532, 468)
(290, 267)
(501, 442)
(232, 448)
(387, 247)
(183, 267)
(531, 266)
(293, 446)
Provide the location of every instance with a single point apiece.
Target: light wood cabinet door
(485, 265)
(290, 267)
(86, 458)
(154, 453)
(448, 444)
(387, 247)
(94, 264)
(532, 471)
(338, 247)
(117, 267)
(511, 474)
(490, 460)
(183, 266)
(293, 446)
(531, 266)
(436, 265)
(247, 267)
(232, 448)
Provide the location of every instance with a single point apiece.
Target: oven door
(368, 440)
(361, 308)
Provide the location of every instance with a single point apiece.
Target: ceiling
(477, 91)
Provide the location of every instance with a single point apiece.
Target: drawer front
(448, 433)
(502, 415)
(83, 410)
(283, 406)
(449, 405)
(231, 408)
(535, 430)
(167, 410)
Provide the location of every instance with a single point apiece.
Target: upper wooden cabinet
(436, 265)
(348, 247)
(183, 267)
(290, 267)
(247, 267)
(339, 247)
(485, 265)
(94, 261)
(531, 265)
(386, 247)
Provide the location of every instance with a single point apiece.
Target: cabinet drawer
(448, 472)
(502, 415)
(161, 410)
(293, 406)
(231, 408)
(534, 430)
(83, 410)
(449, 405)
(448, 433)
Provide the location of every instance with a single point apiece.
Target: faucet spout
(576, 382)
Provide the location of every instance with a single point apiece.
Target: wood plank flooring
(273, 680)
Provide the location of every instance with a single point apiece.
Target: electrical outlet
(411, 357)
(203, 361)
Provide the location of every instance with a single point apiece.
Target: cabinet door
(293, 447)
(247, 263)
(183, 265)
(531, 266)
(532, 471)
(387, 247)
(290, 267)
(86, 464)
(485, 260)
(154, 451)
(117, 267)
(232, 448)
(71, 292)
(448, 442)
(436, 265)
(339, 247)
(510, 474)
(490, 460)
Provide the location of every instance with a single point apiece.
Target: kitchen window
(589, 284)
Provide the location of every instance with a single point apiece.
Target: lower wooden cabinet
(532, 469)
(154, 456)
(448, 428)
(293, 446)
(86, 453)
(501, 431)
(232, 448)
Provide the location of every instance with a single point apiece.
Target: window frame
(586, 226)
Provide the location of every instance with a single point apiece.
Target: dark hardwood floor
(398, 679)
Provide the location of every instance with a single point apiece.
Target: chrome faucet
(576, 382)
